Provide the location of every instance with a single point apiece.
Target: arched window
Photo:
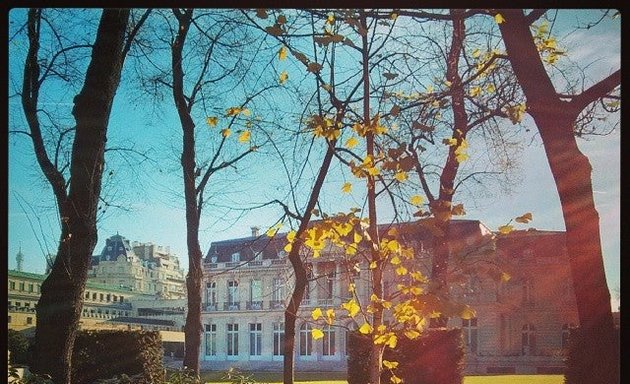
(306, 341)
(329, 341)
(528, 339)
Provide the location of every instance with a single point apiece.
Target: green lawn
(340, 378)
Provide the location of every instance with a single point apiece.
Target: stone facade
(519, 285)
(139, 267)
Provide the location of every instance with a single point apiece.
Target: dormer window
(213, 259)
(236, 257)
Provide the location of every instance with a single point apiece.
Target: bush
(580, 367)
(19, 345)
(134, 356)
(436, 357)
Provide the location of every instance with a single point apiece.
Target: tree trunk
(290, 313)
(61, 301)
(192, 330)
(572, 174)
(441, 208)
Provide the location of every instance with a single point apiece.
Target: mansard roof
(249, 247)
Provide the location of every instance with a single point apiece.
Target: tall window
(566, 330)
(12, 285)
(306, 341)
(307, 290)
(255, 339)
(211, 293)
(211, 339)
(278, 339)
(527, 291)
(232, 339)
(232, 292)
(236, 257)
(278, 289)
(255, 294)
(469, 328)
(329, 341)
(528, 339)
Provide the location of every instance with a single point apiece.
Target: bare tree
(61, 301)
(555, 116)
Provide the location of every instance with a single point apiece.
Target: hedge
(102, 355)
(436, 357)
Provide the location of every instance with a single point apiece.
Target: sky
(154, 215)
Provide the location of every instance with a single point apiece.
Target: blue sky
(155, 215)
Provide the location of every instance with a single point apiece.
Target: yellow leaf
(366, 329)
(373, 265)
(246, 112)
(330, 19)
(505, 277)
(233, 111)
(212, 121)
(226, 132)
(461, 157)
(499, 18)
(244, 137)
(401, 271)
(330, 316)
(317, 333)
(357, 238)
(317, 313)
(284, 76)
(327, 87)
(393, 16)
(476, 53)
(390, 364)
(352, 142)
(411, 334)
(282, 53)
(401, 176)
(352, 307)
(490, 88)
(416, 200)
(526, 218)
(505, 229)
(395, 379)
(458, 210)
(288, 247)
(395, 260)
(271, 232)
(392, 341)
(475, 91)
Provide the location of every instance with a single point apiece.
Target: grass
(340, 378)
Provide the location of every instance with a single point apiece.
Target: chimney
(255, 231)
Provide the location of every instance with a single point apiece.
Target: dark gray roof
(249, 247)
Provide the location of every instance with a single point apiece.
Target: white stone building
(521, 326)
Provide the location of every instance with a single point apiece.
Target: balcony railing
(255, 263)
(277, 304)
(227, 306)
(254, 305)
(325, 302)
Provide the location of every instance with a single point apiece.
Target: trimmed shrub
(19, 345)
(358, 357)
(436, 357)
(100, 355)
(580, 367)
